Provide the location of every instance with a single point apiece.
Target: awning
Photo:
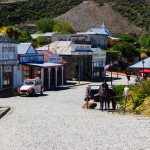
(140, 65)
(45, 65)
(145, 71)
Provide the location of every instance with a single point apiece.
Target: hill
(89, 14)
(120, 16)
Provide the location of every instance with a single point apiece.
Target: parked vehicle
(31, 87)
(92, 92)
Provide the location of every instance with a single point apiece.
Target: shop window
(6, 78)
(25, 72)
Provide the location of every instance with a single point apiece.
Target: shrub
(119, 90)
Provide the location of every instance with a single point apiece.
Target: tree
(127, 38)
(127, 50)
(24, 36)
(12, 33)
(41, 40)
(45, 25)
(148, 43)
(64, 27)
(142, 39)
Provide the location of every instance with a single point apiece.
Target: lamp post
(111, 64)
(143, 66)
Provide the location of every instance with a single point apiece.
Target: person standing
(128, 77)
(126, 94)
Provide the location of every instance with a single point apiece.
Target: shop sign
(31, 58)
(99, 55)
(8, 51)
(7, 68)
(55, 59)
(12, 62)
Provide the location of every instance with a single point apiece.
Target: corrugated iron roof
(59, 47)
(47, 55)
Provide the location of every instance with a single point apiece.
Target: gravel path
(56, 121)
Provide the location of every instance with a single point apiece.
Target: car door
(38, 86)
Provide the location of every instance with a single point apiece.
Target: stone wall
(72, 66)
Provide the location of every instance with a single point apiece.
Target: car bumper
(24, 93)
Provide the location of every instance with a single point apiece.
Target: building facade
(9, 67)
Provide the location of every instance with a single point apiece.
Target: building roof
(67, 48)
(140, 64)
(59, 47)
(45, 65)
(47, 34)
(24, 48)
(47, 55)
(99, 31)
(1, 34)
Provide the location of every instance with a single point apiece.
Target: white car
(31, 87)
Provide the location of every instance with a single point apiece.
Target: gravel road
(56, 121)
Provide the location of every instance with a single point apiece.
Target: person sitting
(89, 104)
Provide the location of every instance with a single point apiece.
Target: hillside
(88, 14)
(120, 16)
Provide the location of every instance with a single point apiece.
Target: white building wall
(17, 76)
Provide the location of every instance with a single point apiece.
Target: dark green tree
(41, 40)
(127, 38)
(24, 36)
(12, 33)
(64, 27)
(127, 50)
(45, 25)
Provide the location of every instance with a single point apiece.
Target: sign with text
(36, 58)
(55, 59)
(99, 55)
(8, 51)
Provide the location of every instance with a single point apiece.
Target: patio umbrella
(145, 71)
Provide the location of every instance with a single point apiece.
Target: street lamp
(143, 66)
(111, 64)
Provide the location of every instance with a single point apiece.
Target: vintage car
(31, 87)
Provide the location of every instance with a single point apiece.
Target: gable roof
(47, 55)
(99, 31)
(23, 48)
(140, 64)
(59, 47)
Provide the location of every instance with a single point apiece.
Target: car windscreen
(28, 83)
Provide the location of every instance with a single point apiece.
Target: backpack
(104, 90)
